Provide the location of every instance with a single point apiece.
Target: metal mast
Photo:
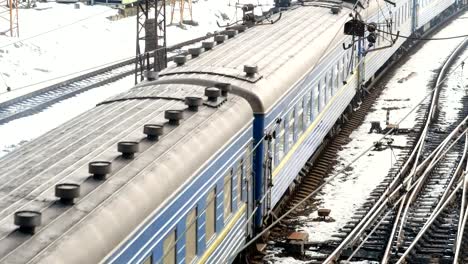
(9, 14)
(151, 37)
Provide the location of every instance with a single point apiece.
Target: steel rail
(429, 223)
(463, 216)
(421, 142)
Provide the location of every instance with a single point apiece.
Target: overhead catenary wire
(279, 219)
(416, 38)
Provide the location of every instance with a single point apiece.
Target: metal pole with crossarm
(151, 54)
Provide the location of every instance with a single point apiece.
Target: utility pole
(151, 51)
(9, 14)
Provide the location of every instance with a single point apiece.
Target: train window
(282, 138)
(272, 152)
(321, 95)
(315, 101)
(291, 128)
(337, 77)
(343, 69)
(330, 86)
(300, 120)
(210, 224)
(324, 93)
(307, 106)
(169, 250)
(191, 236)
(227, 195)
(148, 260)
(239, 183)
(247, 171)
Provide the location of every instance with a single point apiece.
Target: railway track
(39, 100)
(413, 215)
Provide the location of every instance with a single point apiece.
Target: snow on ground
(19, 131)
(406, 88)
(57, 40)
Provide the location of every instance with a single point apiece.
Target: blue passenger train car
(184, 169)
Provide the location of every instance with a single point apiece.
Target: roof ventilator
(153, 131)
(174, 116)
(180, 60)
(212, 93)
(28, 221)
(151, 75)
(193, 103)
(224, 87)
(335, 9)
(128, 149)
(231, 33)
(195, 52)
(240, 28)
(67, 192)
(250, 70)
(219, 39)
(208, 45)
(99, 169)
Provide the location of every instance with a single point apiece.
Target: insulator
(248, 7)
(249, 17)
(372, 38)
(372, 27)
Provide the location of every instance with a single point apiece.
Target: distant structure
(151, 52)
(181, 9)
(9, 22)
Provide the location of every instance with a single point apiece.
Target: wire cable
(416, 38)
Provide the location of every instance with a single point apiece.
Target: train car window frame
(247, 171)
(239, 180)
(321, 97)
(343, 69)
(210, 216)
(337, 76)
(330, 85)
(324, 92)
(313, 106)
(276, 144)
(169, 248)
(282, 141)
(291, 122)
(227, 195)
(272, 150)
(307, 107)
(191, 236)
(300, 119)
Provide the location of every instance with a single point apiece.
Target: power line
(416, 38)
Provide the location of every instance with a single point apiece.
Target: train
(187, 167)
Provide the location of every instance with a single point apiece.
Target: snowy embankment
(404, 90)
(59, 40)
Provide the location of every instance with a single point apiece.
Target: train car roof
(107, 212)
